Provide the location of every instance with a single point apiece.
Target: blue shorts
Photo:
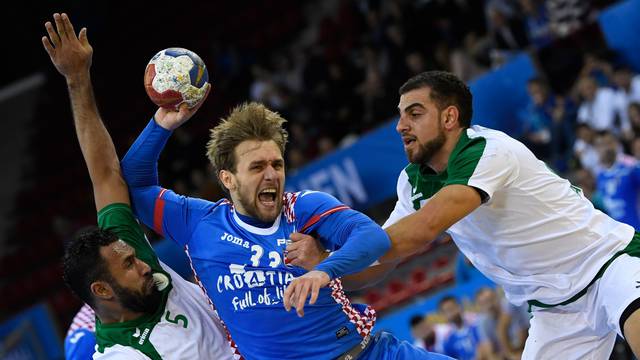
(387, 347)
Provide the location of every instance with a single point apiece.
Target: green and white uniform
(535, 234)
(183, 327)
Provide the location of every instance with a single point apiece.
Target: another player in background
(237, 247)
(523, 226)
(80, 341)
(144, 310)
(618, 180)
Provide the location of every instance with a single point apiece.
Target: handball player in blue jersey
(237, 246)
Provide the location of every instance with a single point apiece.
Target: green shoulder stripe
(424, 183)
(464, 159)
(119, 219)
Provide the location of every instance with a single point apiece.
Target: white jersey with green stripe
(187, 328)
(184, 326)
(535, 234)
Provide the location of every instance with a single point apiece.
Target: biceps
(112, 189)
(449, 206)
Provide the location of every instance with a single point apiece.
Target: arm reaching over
(307, 252)
(72, 57)
(445, 208)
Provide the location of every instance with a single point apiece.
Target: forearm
(368, 277)
(140, 164)
(365, 243)
(95, 142)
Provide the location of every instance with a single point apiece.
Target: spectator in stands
(429, 335)
(462, 341)
(502, 326)
(618, 181)
(547, 123)
(627, 91)
(537, 23)
(584, 148)
(634, 118)
(507, 32)
(599, 108)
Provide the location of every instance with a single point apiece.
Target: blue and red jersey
(239, 261)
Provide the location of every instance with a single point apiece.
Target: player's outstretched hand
(309, 284)
(304, 251)
(70, 54)
(171, 119)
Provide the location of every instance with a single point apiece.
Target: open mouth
(408, 140)
(267, 196)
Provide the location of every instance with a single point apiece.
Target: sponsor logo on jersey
(235, 240)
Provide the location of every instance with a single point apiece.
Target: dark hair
(446, 90)
(447, 298)
(415, 320)
(83, 264)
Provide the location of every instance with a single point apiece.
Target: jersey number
(177, 319)
(257, 251)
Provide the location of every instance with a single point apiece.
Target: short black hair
(83, 264)
(447, 298)
(446, 90)
(416, 319)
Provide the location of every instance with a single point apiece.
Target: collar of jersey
(257, 230)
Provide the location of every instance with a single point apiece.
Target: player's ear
(226, 178)
(101, 290)
(449, 117)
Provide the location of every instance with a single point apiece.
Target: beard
(427, 150)
(139, 301)
(249, 204)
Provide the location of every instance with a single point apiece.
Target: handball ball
(175, 76)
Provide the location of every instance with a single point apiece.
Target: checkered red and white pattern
(232, 344)
(84, 319)
(288, 202)
(364, 322)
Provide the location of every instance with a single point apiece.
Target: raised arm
(72, 57)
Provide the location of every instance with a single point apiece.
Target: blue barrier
(620, 25)
(30, 335)
(361, 175)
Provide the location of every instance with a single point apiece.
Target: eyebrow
(410, 107)
(262, 162)
(128, 258)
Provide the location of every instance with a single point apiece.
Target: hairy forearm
(97, 147)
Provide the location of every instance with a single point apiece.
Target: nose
(143, 267)
(402, 125)
(270, 173)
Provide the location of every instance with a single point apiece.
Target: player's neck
(440, 159)
(110, 314)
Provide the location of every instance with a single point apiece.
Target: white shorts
(586, 328)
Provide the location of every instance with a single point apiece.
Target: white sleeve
(404, 205)
(119, 352)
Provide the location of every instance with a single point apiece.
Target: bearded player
(144, 310)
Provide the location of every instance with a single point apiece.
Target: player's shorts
(587, 328)
(385, 346)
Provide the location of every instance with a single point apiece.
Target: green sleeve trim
(464, 159)
(119, 219)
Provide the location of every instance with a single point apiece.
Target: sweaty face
(132, 280)
(259, 179)
(420, 126)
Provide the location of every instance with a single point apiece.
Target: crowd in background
(337, 75)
